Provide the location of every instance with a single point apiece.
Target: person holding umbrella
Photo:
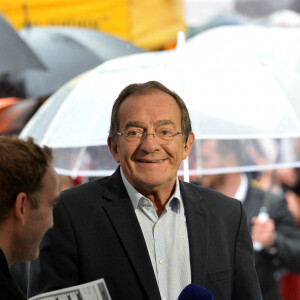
(144, 231)
(28, 193)
(276, 237)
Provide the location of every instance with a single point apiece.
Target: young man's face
(40, 219)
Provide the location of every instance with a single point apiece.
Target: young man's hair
(23, 165)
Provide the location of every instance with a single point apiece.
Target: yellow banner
(150, 24)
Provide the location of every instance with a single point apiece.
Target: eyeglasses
(163, 136)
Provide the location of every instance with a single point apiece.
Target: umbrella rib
(78, 161)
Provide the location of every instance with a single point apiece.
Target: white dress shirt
(166, 238)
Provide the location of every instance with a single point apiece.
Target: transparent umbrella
(228, 98)
(275, 45)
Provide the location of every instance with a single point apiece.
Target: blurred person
(291, 188)
(289, 181)
(285, 182)
(278, 235)
(144, 231)
(290, 282)
(277, 181)
(28, 193)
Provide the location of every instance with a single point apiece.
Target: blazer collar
(197, 226)
(123, 218)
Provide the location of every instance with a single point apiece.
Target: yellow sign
(150, 24)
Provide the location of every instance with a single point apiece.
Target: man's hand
(263, 232)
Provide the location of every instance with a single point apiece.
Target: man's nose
(149, 142)
(146, 134)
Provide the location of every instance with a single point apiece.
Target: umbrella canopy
(15, 54)
(266, 44)
(67, 52)
(227, 99)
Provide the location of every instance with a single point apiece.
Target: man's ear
(188, 145)
(20, 207)
(113, 147)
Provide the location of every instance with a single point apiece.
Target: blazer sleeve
(287, 241)
(246, 285)
(55, 269)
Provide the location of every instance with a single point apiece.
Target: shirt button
(146, 202)
(161, 261)
(157, 224)
(164, 299)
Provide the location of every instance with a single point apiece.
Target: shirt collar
(136, 196)
(242, 190)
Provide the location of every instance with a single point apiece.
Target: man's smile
(150, 160)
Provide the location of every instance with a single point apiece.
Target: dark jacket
(9, 289)
(286, 253)
(97, 235)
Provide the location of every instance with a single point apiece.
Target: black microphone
(195, 292)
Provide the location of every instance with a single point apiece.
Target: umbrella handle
(262, 216)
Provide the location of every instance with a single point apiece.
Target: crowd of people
(278, 233)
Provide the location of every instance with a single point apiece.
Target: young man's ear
(20, 207)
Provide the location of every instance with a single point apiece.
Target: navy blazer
(97, 235)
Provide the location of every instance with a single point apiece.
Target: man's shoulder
(87, 192)
(215, 205)
(206, 194)
(89, 186)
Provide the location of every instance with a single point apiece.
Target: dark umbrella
(15, 55)
(261, 8)
(68, 52)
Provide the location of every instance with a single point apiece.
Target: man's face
(211, 159)
(40, 219)
(150, 165)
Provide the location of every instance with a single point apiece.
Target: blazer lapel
(121, 213)
(197, 226)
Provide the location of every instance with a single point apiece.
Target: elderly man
(278, 236)
(143, 230)
(28, 193)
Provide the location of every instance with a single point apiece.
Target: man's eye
(165, 132)
(133, 133)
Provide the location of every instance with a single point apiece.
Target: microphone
(195, 292)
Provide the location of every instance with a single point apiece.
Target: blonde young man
(144, 231)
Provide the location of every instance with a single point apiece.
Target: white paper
(94, 290)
